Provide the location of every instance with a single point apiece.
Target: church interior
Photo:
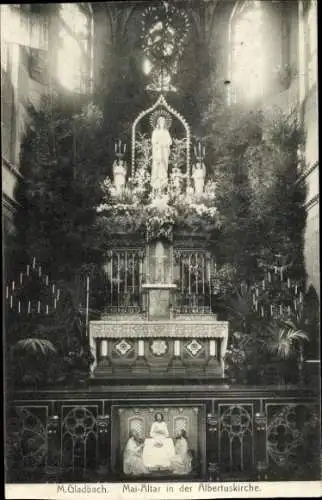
(160, 202)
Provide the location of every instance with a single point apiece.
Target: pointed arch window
(246, 61)
(74, 58)
(312, 35)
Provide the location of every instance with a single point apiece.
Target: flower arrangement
(136, 208)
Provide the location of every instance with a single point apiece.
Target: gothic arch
(162, 103)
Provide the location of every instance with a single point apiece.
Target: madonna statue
(161, 142)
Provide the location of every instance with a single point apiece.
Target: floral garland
(135, 208)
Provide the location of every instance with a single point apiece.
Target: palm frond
(35, 345)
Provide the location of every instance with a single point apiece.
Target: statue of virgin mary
(161, 142)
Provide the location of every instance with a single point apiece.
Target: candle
(11, 300)
(7, 292)
(38, 308)
(28, 267)
(18, 306)
(13, 286)
(34, 262)
(28, 306)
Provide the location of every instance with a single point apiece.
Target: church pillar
(176, 366)
(213, 366)
(141, 366)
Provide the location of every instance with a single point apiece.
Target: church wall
(26, 80)
(312, 246)
(311, 176)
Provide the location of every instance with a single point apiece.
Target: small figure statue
(119, 174)
(161, 142)
(176, 179)
(198, 175)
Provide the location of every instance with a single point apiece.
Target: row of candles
(265, 286)
(15, 287)
(199, 149)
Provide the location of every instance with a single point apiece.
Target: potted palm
(286, 341)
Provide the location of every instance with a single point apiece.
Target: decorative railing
(271, 434)
(192, 303)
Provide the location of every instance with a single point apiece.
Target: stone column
(141, 366)
(213, 367)
(176, 366)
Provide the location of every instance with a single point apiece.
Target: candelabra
(199, 151)
(120, 149)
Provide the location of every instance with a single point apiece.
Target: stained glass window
(164, 30)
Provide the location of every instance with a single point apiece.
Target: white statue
(198, 175)
(161, 142)
(119, 174)
(158, 450)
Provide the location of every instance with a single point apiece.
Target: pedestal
(141, 366)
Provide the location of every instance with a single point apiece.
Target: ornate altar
(159, 218)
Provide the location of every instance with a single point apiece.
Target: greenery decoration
(62, 161)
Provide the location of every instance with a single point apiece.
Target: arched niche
(141, 123)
